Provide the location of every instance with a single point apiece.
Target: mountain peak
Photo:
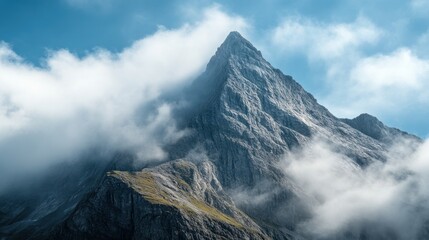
(235, 44)
(367, 117)
(368, 125)
(371, 126)
(368, 120)
(235, 36)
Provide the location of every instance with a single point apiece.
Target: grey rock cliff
(249, 113)
(177, 200)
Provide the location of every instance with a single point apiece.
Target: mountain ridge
(244, 116)
(373, 127)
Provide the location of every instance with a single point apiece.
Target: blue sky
(353, 56)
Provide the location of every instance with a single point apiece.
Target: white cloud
(356, 82)
(73, 104)
(324, 41)
(401, 69)
(385, 199)
(381, 83)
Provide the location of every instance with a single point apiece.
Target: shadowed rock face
(372, 127)
(40, 204)
(245, 116)
(177, 200)
(368, 125)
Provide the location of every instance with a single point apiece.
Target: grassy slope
(146, 184)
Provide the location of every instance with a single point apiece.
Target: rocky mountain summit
(244, 116)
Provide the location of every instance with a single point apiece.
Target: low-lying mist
(385, 200)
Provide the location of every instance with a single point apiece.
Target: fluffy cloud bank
(358, 80)
(324, 41)
(383, 201)
(71, 104)
(389, 80)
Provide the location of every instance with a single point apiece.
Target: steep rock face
(249, 114)
(177, 200)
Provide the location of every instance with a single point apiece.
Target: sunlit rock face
(249, 113)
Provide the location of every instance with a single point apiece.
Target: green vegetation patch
(214, 213)
(145, 183)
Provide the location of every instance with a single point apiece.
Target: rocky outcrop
(177, 200)
(372, 127)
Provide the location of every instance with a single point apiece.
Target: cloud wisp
(382, 201)
(71, 104)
